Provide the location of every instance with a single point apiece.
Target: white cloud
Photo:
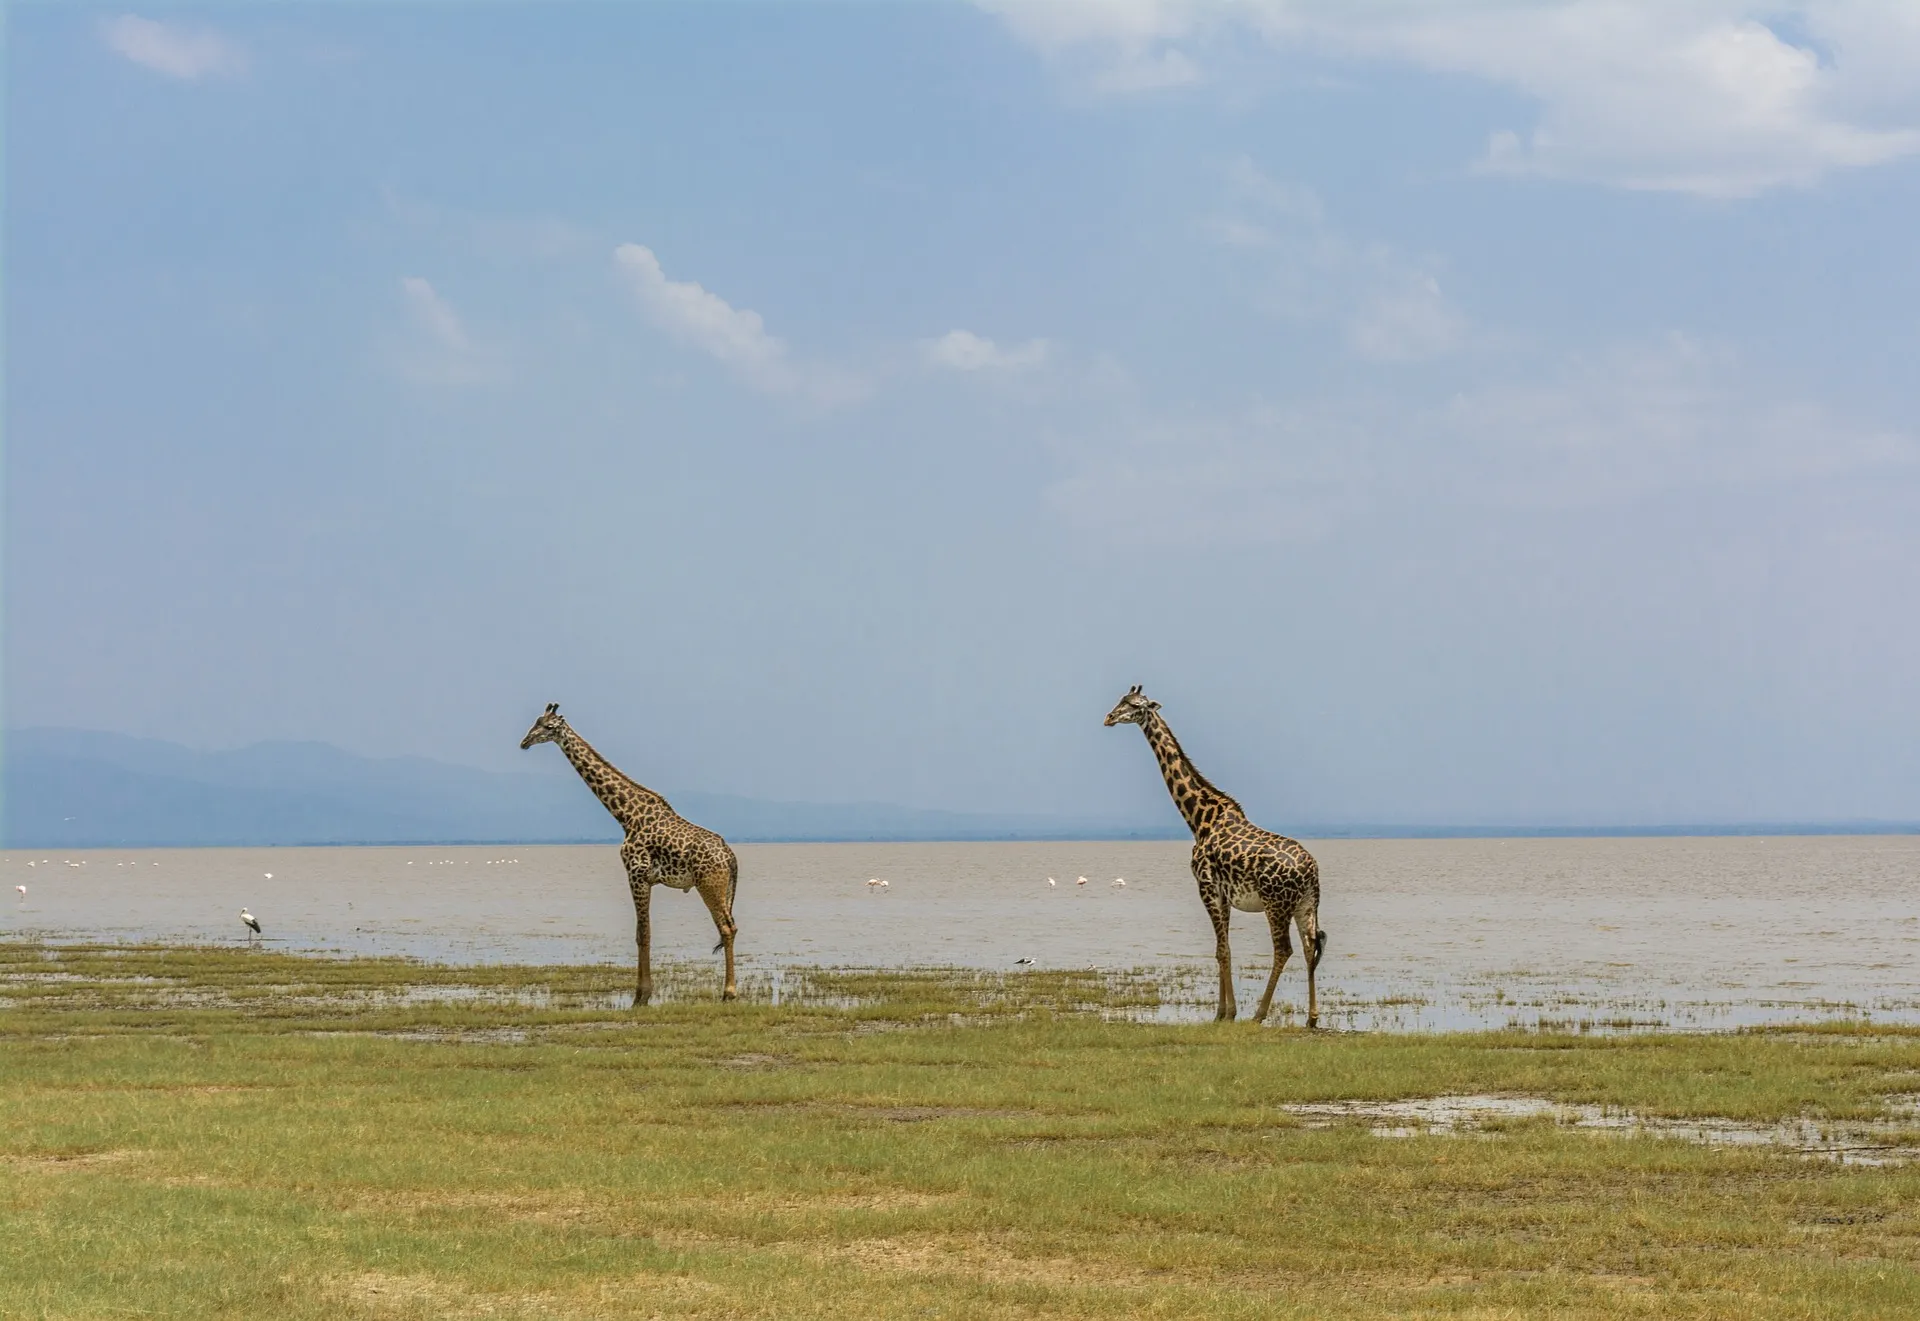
(734, 337)
(1724, 98)
(1390, 307)
(174, 51)
(437, 350)
(964, 351)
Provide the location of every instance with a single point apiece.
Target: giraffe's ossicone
(662, 847)
(1236, 864)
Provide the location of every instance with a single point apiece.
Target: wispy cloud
(1389, 305)
(1595, 431)
(1113, 46)
(1722, 98)
(177, 52)
(496, 235)
(437, 349)
(964, 351)
(735, 337)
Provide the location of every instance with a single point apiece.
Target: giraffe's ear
(1153, 706)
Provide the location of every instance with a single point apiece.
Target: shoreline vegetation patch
(216, 1132)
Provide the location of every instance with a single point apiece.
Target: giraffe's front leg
(642, 938)
(640, 881)
(1220, 912)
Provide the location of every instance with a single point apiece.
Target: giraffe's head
(1132, 709)
(547, 728)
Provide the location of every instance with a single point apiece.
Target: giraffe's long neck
(621, 796)
(1199, 802)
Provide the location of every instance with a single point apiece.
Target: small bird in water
(23, 892)
(1119, 883)
(1049, 882)
(1081, 881)
(1023, 961)
(875, 883)
(269, 875)
(253, 923)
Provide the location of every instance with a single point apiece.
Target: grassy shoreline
(218, 1132)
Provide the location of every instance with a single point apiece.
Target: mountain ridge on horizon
(76, 788)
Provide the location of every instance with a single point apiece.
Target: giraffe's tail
(1319, 944)
(733, 888)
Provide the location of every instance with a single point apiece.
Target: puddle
(1849, 1141)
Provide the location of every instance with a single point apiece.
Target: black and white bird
(1023, 961)
(253, 923)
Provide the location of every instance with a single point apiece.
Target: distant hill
(71, 788)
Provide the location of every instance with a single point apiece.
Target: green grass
(226, 1133)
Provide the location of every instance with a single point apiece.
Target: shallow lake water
(1605, 934)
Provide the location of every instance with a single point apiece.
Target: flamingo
(1049, 882)
(1119, 883)
(23, 892)
(875, 883)
(1081, 881)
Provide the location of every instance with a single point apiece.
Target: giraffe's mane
(606, 761)
(1199, 780)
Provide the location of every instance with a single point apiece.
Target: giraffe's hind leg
(719, 903)
(1282, 951)
(1313, 939)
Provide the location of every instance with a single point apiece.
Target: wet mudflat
(1600, 934)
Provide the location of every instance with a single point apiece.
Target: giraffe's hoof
(729, 995)
(640, 1001)
(1313, 1021)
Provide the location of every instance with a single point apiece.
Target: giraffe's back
(680, 853)
(1258, 869)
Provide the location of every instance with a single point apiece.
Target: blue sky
(1463, 414)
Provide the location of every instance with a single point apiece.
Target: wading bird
(23, 892)
(1049, 880)
(875, 883)
(253, 923)
(1119, 883)
(1081, 881)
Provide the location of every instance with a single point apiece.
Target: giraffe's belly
(1248, 900)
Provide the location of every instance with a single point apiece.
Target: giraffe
(1237, 864)
(662, 847)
